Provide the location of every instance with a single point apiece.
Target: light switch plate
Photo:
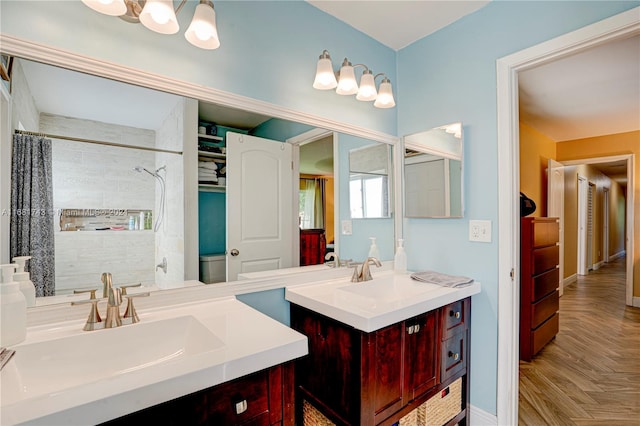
(346, 227)
(480, 231)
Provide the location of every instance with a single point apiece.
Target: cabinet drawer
(544, 309)
(544, 333)
(454, 356)
(454, 318)
(545, 259)
(237, 402)
(545, 232)
(545, 283)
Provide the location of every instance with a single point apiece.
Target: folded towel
(207, 165)
(440, 279)
(211, 175)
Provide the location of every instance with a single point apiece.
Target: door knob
(234, 252)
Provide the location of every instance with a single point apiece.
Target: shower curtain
(314, 202)
(32, 209)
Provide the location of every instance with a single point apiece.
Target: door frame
(508, 134)
(605, 224)
(583, 220)
(555, 207)
(301, 139)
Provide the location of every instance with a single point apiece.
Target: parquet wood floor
(590, 373)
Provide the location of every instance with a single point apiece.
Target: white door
(259, 205)
(583, 190)
(555, 206)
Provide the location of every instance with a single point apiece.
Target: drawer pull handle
(417, 328)
(411, 329)
(241, 406)
(455, 314)
(455, 356)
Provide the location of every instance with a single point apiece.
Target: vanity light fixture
(345, 82)
(160, 16)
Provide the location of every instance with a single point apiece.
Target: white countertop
(368, 306)
(89, 391)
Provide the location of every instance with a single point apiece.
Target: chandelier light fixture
(344, 81)
(160, 16)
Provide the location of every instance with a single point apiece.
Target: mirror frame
(33, 51)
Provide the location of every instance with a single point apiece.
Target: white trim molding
(616, 27)
(636, 302)
(479, 417)
(26, 49)
(617, 255)
(570, 280)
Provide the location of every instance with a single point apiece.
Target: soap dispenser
(13, 308)
(373, 250)
(24, 279)
(400, 259)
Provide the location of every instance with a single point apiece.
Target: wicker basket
(443, 406)
(312, 417)
(411, 419)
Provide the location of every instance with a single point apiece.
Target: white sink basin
(372, 305)
(59, 364)
(63, 375)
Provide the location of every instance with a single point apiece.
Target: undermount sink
(371, 305)
(383, 291)
(64, 363)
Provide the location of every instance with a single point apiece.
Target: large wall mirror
(124, 164)
(433, 167)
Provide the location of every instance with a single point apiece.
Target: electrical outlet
(346, 227)
(480, 230)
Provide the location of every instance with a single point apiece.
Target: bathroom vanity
(380, 350)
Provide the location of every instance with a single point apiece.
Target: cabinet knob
(241, 406)
(455, 356)
(455, 314)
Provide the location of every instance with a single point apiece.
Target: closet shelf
(207, 187)
(211, 155)
(211, 137)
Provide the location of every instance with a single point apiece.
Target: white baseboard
(569, 280)
(479, 417)
(636, 301)
(598, 265)
(617, 255)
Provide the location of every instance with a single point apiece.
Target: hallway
(590, 373)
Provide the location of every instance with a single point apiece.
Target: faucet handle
(125, 287)
(355, 278)
(92, 291)
(94, 315)
(346, 262)
(130, 312)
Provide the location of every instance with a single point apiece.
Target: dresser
(539, 283)
(312, 246)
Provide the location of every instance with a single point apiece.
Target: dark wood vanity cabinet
(539, 283)
(262, 398)
(358, 378)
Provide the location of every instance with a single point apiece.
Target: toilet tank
(213, 268)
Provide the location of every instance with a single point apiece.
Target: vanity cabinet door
(383, 390)
(421, 371)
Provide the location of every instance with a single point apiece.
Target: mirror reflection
(369, 168)
(433, 173)
(124, 162)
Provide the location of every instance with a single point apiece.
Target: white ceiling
(592, 93)
(398, 23)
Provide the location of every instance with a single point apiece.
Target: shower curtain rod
(119, 145)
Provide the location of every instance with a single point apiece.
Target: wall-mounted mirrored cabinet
(369, 170)
(433, 170)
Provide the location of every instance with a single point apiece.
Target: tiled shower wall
(91, 176)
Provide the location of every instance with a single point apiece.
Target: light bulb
(325, 77)
(385, 95)
(202, 32)
(347, 84)
(367, 90)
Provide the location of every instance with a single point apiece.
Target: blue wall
(269, 50)
(212, 222)
(451, 76)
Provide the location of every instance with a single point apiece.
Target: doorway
(616, 27)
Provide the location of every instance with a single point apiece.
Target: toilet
(213, 268)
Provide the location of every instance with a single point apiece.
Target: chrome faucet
(107, 283)
(336, 260)
(162, 265)
(365, 272)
